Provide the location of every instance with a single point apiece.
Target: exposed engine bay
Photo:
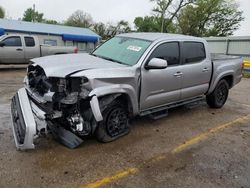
(65, 101)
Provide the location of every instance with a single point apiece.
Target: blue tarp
(80, 38)
(1, 31)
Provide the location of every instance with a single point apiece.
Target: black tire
(219, 96)
(115, 123)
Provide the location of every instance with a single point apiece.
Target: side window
(50, 42)
(169, 51)
(29, 41)
(69, 43)
(193, 52)
(12, 41)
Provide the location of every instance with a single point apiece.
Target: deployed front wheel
(115, 122)
(219, 96)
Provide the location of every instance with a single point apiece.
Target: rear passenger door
(12, 51)
(196, 69)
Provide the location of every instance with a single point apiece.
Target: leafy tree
(31, 15)
(51, 22)
(153, 24)
(167, 10)
(101, 29)
(147, 24)
(123, 27)
(210, 18)
(80, 19)
(120, 27)
(109, 30)
(2, 12)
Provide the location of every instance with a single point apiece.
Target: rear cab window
(193, 52)
(29, 41)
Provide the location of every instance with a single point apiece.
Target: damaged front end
(61, 106)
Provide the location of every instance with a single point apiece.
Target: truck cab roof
(159, 36)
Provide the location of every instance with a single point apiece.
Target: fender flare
(218, 78)
(112, 89)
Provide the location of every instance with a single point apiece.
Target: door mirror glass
(2, 44)
(157, 63)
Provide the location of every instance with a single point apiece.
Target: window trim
(161, 43)
(21, 45)
(182, 53)
(26, 44)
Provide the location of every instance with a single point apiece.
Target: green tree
(153, 24)
(31, 15)
(147, 24)
(120, 27)
(2, 12)
(210, 18)
(80, 19)
(101, 29)
(51, 22)
(167, 10)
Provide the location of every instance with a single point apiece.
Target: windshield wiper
(109, 59)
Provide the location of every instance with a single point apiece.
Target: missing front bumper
(29, 121)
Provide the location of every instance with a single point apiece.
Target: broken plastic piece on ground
(64, 136)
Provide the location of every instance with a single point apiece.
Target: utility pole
(33, 14)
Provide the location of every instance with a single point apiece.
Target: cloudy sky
(101, 10)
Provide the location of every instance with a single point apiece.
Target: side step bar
(169, 106)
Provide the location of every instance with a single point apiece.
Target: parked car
(134, 74)
(21, 48)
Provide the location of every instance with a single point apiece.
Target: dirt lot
(213, 149)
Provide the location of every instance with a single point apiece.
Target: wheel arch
(228, 76)
(125, 93)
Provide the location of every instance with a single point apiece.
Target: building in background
(55, 35)
(238, 46)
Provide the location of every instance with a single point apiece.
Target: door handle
(205, 69)
(19, 49)
(178, 74)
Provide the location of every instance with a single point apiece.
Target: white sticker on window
(134, 48)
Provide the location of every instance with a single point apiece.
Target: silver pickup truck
(16, 48)
(77, 95)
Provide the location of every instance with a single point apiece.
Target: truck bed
(217, 57)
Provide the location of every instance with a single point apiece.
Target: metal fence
(239, 46)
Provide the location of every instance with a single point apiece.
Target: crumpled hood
(66, 64)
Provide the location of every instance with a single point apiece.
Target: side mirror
(157, 63)
(2, 44)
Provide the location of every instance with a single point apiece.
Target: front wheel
(219, 96)
(115, 123)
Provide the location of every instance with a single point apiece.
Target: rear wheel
(219, 96)
(115, 123)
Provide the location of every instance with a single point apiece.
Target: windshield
(122, 50)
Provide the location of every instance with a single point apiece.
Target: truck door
(196, 68)
(32, 48)
(161, 86)
(11, 50)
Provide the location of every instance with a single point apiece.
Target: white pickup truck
(16, 48)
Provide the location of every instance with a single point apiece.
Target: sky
(101, 10)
